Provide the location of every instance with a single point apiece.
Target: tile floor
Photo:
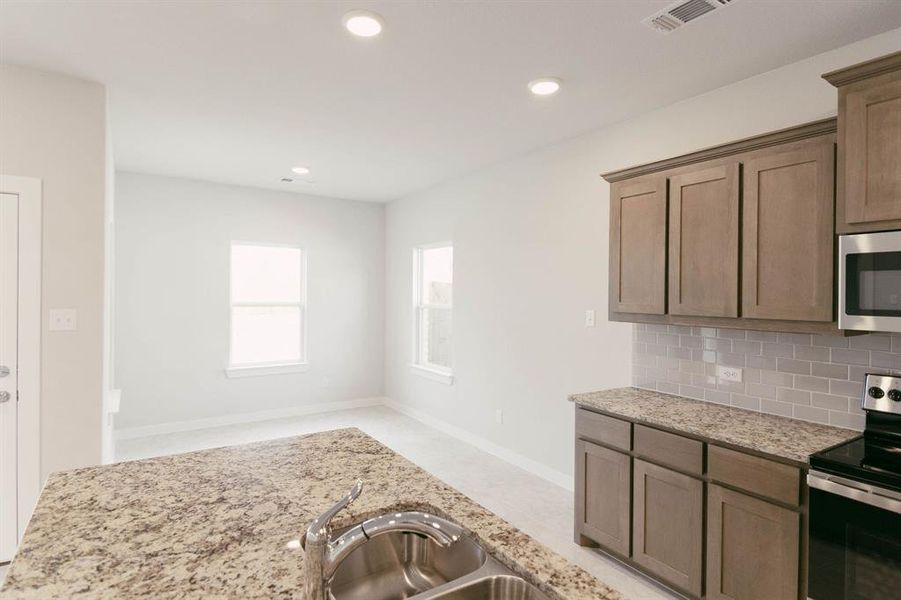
(536, 506)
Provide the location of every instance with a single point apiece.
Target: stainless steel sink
(397, 566)
(400, 555)
(496, 587)
(402, 565)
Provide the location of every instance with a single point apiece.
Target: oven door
(855, 540)
(869, 274)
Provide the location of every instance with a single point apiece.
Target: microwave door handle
(871, 497)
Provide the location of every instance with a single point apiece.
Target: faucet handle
(318, 531)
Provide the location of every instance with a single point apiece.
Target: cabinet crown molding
(864, 70)
(757, 142)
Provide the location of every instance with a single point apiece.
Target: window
(433, 300)
(267, 309)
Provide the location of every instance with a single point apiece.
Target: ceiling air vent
(681, 13)
(298, 181)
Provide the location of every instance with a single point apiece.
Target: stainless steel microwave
(869, 278)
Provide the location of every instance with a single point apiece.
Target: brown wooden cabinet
(667, 525)
(869, 145)
(642, 494)
(603, 493)
(676, 253)
(750, 231)
(787, 242)
(638, 246)
(752, 548)
(703, 242)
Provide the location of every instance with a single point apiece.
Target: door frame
(28, 440)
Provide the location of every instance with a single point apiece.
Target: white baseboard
(130, 433)
(523, 462)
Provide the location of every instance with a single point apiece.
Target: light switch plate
(589, 318)
(728, 373)
(63, 319)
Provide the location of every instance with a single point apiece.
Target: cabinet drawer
(754, 474)
(604, 429)
(669, 449)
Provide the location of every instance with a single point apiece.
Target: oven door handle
(855, 490)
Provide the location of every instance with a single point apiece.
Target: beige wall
(53, 128)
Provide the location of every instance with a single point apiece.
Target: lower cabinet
(603, 496)
(752, 548)
(667, 527)
(708, 521)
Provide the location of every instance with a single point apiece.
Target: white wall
(53, 127)
(531, 247)
(172, 298)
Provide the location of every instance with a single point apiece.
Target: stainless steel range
(855, 505)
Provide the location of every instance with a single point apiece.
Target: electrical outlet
(589, 318)
(63, 319)
(499, 416)
(728, 373)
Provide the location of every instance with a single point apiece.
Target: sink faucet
(322, 555)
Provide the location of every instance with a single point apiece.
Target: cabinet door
(872, 153)
(638, 246)
(602, 496)
(787, 246)
(703, 246)
(752, 548)
(667, 535)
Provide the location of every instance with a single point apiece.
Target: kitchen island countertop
(217, 523)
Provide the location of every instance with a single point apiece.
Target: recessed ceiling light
(544, 86)
(301, 170)
(363, 23)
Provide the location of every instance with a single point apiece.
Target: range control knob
(876, 392)
(895, 395)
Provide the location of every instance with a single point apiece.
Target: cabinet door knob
(4, 371)
(4, 397)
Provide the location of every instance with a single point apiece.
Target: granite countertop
(780, 437)
(215, 523)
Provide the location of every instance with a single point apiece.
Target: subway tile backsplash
(811, 377)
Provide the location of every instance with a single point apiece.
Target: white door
(9, 284)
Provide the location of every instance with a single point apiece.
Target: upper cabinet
(740, 235)
(638, 246)
(787, 241)
(743, 235)
(869, 145)
(703, 246)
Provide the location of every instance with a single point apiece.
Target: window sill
(258, 370)
(435, 375)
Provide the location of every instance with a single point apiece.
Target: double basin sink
(396, 566)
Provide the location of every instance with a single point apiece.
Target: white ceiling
(240, 91)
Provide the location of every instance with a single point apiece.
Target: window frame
(418, 365)
(234, 370)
